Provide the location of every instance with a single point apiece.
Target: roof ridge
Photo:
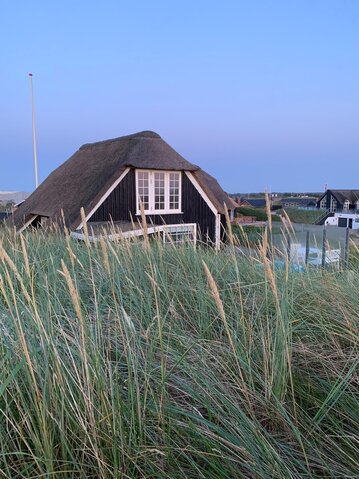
(343, 189)
(145, 134)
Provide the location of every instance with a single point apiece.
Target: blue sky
(261, 94)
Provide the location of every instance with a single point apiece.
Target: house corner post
(218, 232)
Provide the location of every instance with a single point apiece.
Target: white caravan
(344, 220)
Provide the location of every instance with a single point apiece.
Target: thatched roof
(214, 191)
(343, 195)
(85, 177)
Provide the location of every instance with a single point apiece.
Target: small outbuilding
(114, 179)
(252, 202)
(304, 202)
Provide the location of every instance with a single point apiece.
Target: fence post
(346, 247)
(307, 248)
(324, 246)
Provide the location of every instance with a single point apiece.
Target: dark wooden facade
(120, 205)
(325, 201)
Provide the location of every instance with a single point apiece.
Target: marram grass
(124, 361)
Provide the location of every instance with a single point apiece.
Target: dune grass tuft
(124, 361)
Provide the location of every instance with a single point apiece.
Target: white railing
(171, 233)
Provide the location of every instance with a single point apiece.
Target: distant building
(297, 202)
(15, 196)
(339, 200)
(252, 202)
(4, 215)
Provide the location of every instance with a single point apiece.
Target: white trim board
(218, 232)
(211, 206)
(28, 222)
(201, 192)
(102, 199)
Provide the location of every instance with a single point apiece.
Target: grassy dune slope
(298, 215)
(127, 361)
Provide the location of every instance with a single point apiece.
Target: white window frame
(151, 197)
(323, 203)
(188, 230)
(333, 204)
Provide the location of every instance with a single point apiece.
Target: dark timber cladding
(121, 205)
(197, 211)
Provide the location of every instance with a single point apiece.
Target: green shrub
(276, 218)
(259, 213)
(248, 235)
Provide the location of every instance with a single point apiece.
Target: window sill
(159, 213)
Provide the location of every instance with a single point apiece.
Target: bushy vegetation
(250, 236)
(6, 206)
(297, 215)
(259, 213)
(130, 360)
(276, 218)
(354, 253)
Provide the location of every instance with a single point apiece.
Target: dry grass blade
(25, 256)
(229, 226)
(85, 228)
(268, 210)
(219, 304)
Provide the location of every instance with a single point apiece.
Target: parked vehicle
(343, 220)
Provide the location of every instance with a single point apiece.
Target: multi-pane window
(159, 191)
(323, 203)
(174, 179)
(143, 189)
(159, 186)
(333, 204)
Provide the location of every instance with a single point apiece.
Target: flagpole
(33, 131)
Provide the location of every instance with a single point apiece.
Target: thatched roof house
(103, 178)
(337, 200)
